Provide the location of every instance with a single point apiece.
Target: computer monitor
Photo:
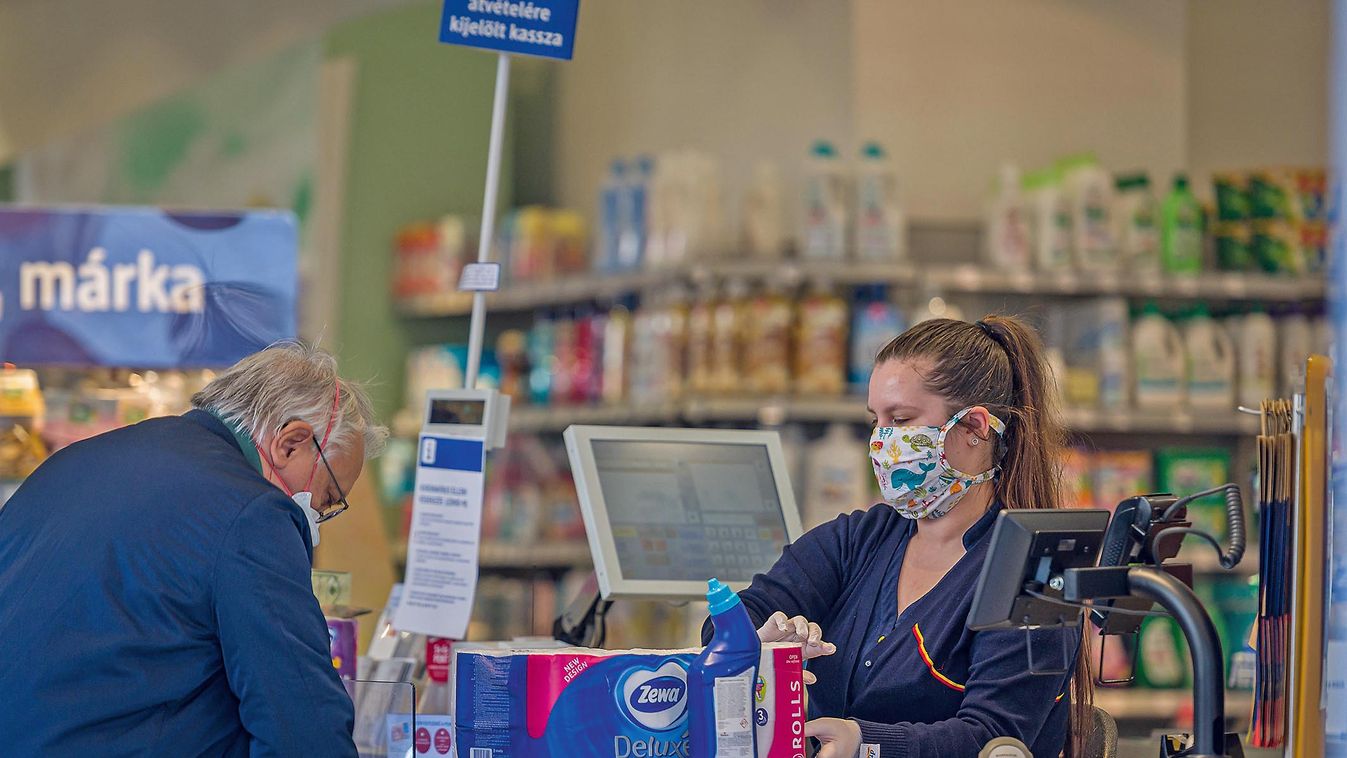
(667, 509)
(1029, 549)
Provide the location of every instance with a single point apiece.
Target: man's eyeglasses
(341, 505)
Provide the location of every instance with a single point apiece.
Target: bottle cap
(872, 150)
(1180, 181)
(824, 149)
(720, 597)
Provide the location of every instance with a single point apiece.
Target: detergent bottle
(721, 681)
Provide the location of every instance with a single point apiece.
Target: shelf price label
(541, 28)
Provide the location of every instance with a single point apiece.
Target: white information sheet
(441, 577)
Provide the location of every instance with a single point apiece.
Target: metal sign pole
(478, 324)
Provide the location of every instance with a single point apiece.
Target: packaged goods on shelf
(768, 319)
(1008, 241)
(1271, 220)
(821, 343)
(1052, 232)
(1181, 227)
(684, 217)
(827, 202)
(537, 243)
(1137, 220)
(1159, 363)
(837, 476)
(1210, 355)
(1095, 353)
(764, 229)
(1089, 191)
(1120, 474)
(428, 257)
(875, 321)
(1185, 471)
(880, 225)
(1078, 479)
(725, 366)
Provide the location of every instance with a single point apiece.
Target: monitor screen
(690, 510)
(452, 411)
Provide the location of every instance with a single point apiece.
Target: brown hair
(999, 363)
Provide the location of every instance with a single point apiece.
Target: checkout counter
(666, 509)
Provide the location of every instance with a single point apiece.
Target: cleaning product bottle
(541, 358)
(821, 342)
(1052, 220)
(763, 228)
(1158, 361)
(1008, 242)
(874, 322)
(726, 365)
(881, 225)
(721, 680)
(612, 218)
(1257, 358)
(1181, 230)
(1211, 363)
(825, 211)
(1296, 344)
(834, 481)
(769, 317)
(1089, 189)
(635, 214)
(1138, 227)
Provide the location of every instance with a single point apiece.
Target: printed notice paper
(446, 530)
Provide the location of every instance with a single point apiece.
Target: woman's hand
(780, 628)
(841, 738)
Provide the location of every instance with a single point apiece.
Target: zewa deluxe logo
(654, 700)
(93, 287)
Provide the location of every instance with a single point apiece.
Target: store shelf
(1134, 704)
(776, 411)
(495, 555)
(967, 278)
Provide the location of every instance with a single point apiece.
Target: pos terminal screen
(690, 510)
(469, 412)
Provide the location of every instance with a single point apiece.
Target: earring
(974, 441)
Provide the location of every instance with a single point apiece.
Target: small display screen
(688, 511)
(468, 412)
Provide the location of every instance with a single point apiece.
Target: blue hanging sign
(144, 288)
(543, 28)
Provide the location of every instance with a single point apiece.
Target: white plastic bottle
(825, 205)
(1114, 358)
(1089, 191)
(1158, 362)
(1137, 219)
(881, 224)
(1052, 220)
(837, 478)
(1296, 344)
(1008, 242)
(613, 198)
(1211, 363)
(764, 234)
(1257, 356)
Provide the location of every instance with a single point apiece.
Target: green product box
(1184, 471)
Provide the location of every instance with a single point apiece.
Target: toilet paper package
(607, 703)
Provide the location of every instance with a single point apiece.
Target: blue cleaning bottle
(721, 682)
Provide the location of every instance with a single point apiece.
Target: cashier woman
(154, 581)
(964, 425)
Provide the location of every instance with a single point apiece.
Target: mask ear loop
(996, 424)
(331, 422)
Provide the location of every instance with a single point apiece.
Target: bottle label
(733, 702)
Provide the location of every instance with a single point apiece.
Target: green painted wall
(418, 140)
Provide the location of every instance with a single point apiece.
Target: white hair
(292, 381)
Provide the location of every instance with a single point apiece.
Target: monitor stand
(583, 622)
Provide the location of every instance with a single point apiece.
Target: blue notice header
(543, 28)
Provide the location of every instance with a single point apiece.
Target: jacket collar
(982, 526)
(230, 431)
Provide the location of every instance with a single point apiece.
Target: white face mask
(303, 499)
(913, 474)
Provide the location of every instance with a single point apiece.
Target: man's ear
(293, 438)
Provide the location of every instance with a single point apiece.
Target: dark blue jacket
(155, 600)
(919, 684)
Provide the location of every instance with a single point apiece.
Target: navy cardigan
(155, 600)
(919, 684)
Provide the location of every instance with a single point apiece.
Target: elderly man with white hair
(154, 581)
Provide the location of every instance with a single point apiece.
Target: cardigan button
(867, 664)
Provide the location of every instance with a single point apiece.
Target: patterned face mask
(913, 474)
